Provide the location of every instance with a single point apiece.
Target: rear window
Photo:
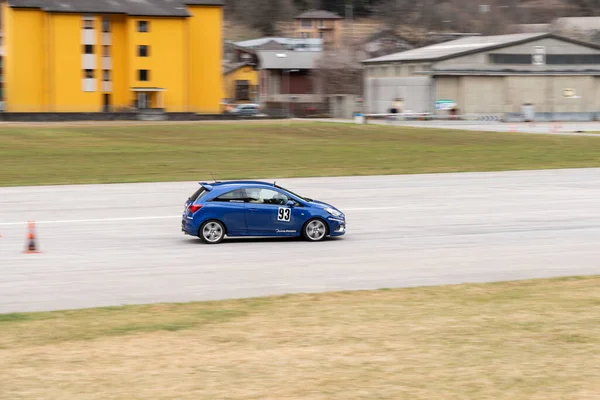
(198, 194)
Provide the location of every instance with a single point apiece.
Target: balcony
(106, 39)
(88, 85)
(88, 36)
(88, 61)
(106, 63)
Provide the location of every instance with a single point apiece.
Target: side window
(266, 196)
(235, 196)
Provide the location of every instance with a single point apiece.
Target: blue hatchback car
(254, 208)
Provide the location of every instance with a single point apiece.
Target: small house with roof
(320, 24)
(288, 79)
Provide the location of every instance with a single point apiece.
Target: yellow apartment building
(108, 55)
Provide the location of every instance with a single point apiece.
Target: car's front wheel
(315, 230)
(212, 232)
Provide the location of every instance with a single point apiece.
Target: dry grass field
(530, 340)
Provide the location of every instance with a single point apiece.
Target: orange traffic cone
(31, 246)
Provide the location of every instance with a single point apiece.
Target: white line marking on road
(372, 209)
(74, 221)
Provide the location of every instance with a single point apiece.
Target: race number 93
(284, 214)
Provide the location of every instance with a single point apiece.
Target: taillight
(194, 207)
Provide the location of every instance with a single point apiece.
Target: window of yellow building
(143, 50)
(105, 25)
(143, 26)
(143, 75)
(88, 22)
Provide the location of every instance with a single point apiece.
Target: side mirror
(290, 203)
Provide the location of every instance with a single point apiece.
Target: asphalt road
(121, 244)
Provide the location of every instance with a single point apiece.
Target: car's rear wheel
(212, 232)
(314, 230)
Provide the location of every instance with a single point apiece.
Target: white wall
(495, 95)
(381, 92)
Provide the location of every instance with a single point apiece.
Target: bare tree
(478, 16)
(308, 4)
(339, 72)
(262, 15)
(586, 8)
(394, 13)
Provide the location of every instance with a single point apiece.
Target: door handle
(252, 209)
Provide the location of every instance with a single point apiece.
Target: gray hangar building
(490, 76)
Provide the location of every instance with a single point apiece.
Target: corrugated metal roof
(505, 72)
(296, 43)
(456, 47)
(204, 2)
(318, 14)
(277, 59)
(171, 8)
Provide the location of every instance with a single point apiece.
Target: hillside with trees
(266, 17)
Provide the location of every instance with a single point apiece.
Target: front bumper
(337, 226)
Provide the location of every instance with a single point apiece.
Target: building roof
(504, 72)
(278, 59)
(169, 8)
(318, 14)
(229, 68)
(203, 2)
(299, 44)
(469, 45)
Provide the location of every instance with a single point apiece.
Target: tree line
(483, 16)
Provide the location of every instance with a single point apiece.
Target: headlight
(333, 212)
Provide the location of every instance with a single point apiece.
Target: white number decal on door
(284, 214)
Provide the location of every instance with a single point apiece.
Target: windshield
(295, 194)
